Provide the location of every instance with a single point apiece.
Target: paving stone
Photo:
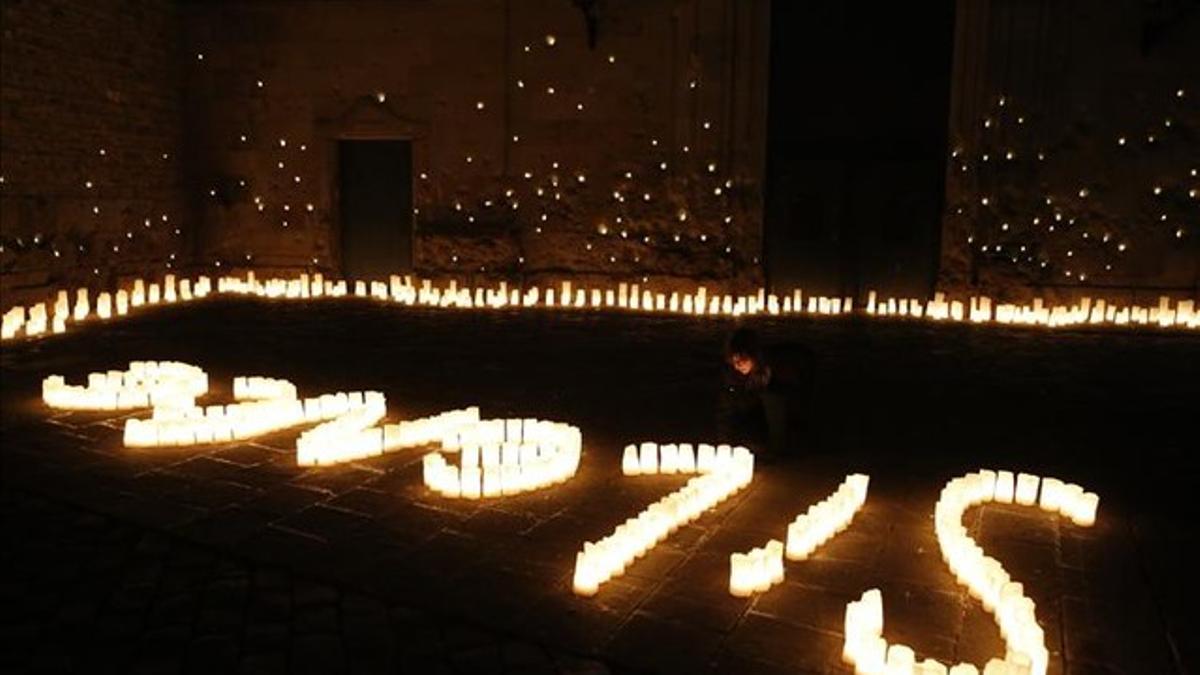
(282, 500)
(208, 468)
(649, 643)
(213, 654)
(269, 605)
(169, 641)
(319, 619)
(266, 635)
(926, 619)
(682, 607)
(522, 657)
(326, 523)
(317, 654)
(761, 638)
(263, 663)
(248, 454)
(479, 660)
(806, 606)
(367, 501)
(160, 665)
(173, 609)
(218, 621)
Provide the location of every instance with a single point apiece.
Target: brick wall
(1075, 129)
(91, 132)
(497, 188)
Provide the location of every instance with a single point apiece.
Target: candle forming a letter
(722, 474)
(986, 579)
(761, 568)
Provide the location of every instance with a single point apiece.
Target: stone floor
(232, 559)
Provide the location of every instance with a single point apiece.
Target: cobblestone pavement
(230, 557)
(85, 592)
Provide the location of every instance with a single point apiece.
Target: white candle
(1026, 489)
(648, 459)
(1051, 494)
(629, 461)
(1004, 487)
(741, 582)
(1084, 513)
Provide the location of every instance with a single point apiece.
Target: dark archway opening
(375, 207)
(857, 119)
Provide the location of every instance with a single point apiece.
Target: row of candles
(668, 458)
(730, 470)
(347, 423)
(498, 457)
(38, 319)
(504, 457)
(41, 318)
(1086, 311)
(985, 577)
(145, 384)
(760, 568)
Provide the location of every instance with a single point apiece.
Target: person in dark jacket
(764, 393)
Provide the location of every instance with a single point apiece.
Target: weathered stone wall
(91, 125)
(1075, 131)
(535, 153)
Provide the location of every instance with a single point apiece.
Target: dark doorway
(859, 105)
(375, 188)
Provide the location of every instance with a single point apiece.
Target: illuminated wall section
(91, 170)
(536, 150)
(1074, 146)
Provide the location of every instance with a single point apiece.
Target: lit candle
(1051, 494)
(629, 461)
(1026, 489)
(1084, 512)
(741, 581)
(1004, 487)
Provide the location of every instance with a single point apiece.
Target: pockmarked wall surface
(550, 138)
(91, 127)
(1075, 146)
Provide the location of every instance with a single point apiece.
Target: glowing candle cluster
(1037, 313)
(264, 405)
(196, 425)
(756, 570)
(761, 568)
(669, 458)
(827, 517)
(145, 384)
(35, 320)
(247, 388)
(503, 457)
(499, 457)
(39, 318)
(865, 647)
(350, 431)
(600, 561)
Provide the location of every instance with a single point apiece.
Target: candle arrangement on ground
(264, 405)
(38, 319)
(499, 457)
(145, 384)
(760, 568)
(869, 652)
(503, 457)
(723, 469)
(756, 570)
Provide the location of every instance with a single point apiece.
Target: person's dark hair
(744, 342)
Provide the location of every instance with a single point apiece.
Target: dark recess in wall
(855, 156)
